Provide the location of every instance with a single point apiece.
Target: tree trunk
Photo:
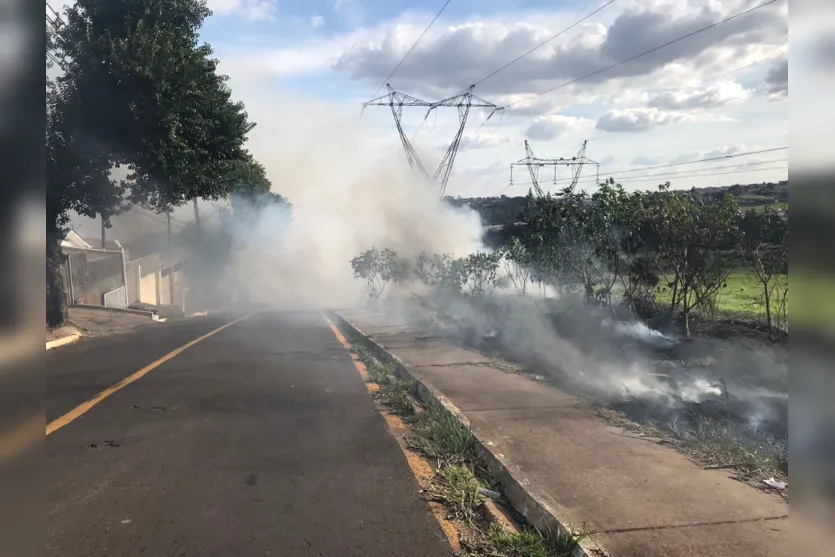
(767, 294)
(686, 321)
(675, 293)
(56, 297)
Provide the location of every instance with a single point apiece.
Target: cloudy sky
(720, 92)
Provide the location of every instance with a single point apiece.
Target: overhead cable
(413, 47)
(650, 51)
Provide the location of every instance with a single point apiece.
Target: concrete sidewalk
(639, 499)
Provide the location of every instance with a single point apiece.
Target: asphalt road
(260, 440)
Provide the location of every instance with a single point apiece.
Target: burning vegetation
(614, 296)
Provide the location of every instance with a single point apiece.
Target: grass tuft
(457, 488)
(440, 435)
(394, 392)
(497, 541)
(718, 445)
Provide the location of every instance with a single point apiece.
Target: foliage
(662, 252)
(517, 263)
(765, 245)
(698, 243)
(443, 273)
(137, 90)
(479, 270)
(378, 268)
(137, 81)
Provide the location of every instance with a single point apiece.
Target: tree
(698, 242)
(479, 270)
(378, 268)
(765, 245)
(249, 191)
(443, 273)
(518, 264)
(138, 90)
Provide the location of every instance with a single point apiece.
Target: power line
(54, 11)
(569, 28)
(673, 175)
(702, 82)
(174, 222)
(727, 172)
(650, 51)
(720, 158)
(413, 47)
(681, 163)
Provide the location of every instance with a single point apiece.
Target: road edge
(513, 481)
(62, 341)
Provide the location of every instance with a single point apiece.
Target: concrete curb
(516, 486)
(149, 314)
(62, 341)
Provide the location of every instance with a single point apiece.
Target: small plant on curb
(457, 482)
(440, 435)
(497, 541)
(457, 488)
(395, 393)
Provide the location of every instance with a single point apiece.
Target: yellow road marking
(58, 423)
(419, 466)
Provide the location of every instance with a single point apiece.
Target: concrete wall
(132, 274)
(165, 289)
(148, 288)
(117, 298)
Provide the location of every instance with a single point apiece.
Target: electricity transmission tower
(534, 165)
(463, 102)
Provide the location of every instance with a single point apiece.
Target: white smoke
(346, 199)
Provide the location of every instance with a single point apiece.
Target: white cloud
(777, 80)
(317, 21)
(224, 7)
(480, 46)
(723, 151)
(484, 140)
(337, 4)
(635, 120)
(456, 49)
(250, 10)
(644, 160)
(546, 128)
(712, 96)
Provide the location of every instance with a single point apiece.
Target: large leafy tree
(699, 244)
(140, 91)
(766, 249)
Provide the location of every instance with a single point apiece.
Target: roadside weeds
(458, 482)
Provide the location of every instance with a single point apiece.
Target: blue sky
(306, 57)
(338, 53)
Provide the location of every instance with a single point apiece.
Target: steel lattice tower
(463, 102)
(534, 164)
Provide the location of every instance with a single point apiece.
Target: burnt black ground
(260, 440)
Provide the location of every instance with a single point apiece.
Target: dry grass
(499, 542)
(457, 488)
(440, 435)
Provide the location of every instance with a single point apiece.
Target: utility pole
(196, 214)
(170, 264)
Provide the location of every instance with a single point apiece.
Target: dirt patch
(102, 322)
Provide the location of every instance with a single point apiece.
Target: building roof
(73, 240)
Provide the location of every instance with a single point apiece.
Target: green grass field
(758, 203)
(741, 296)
